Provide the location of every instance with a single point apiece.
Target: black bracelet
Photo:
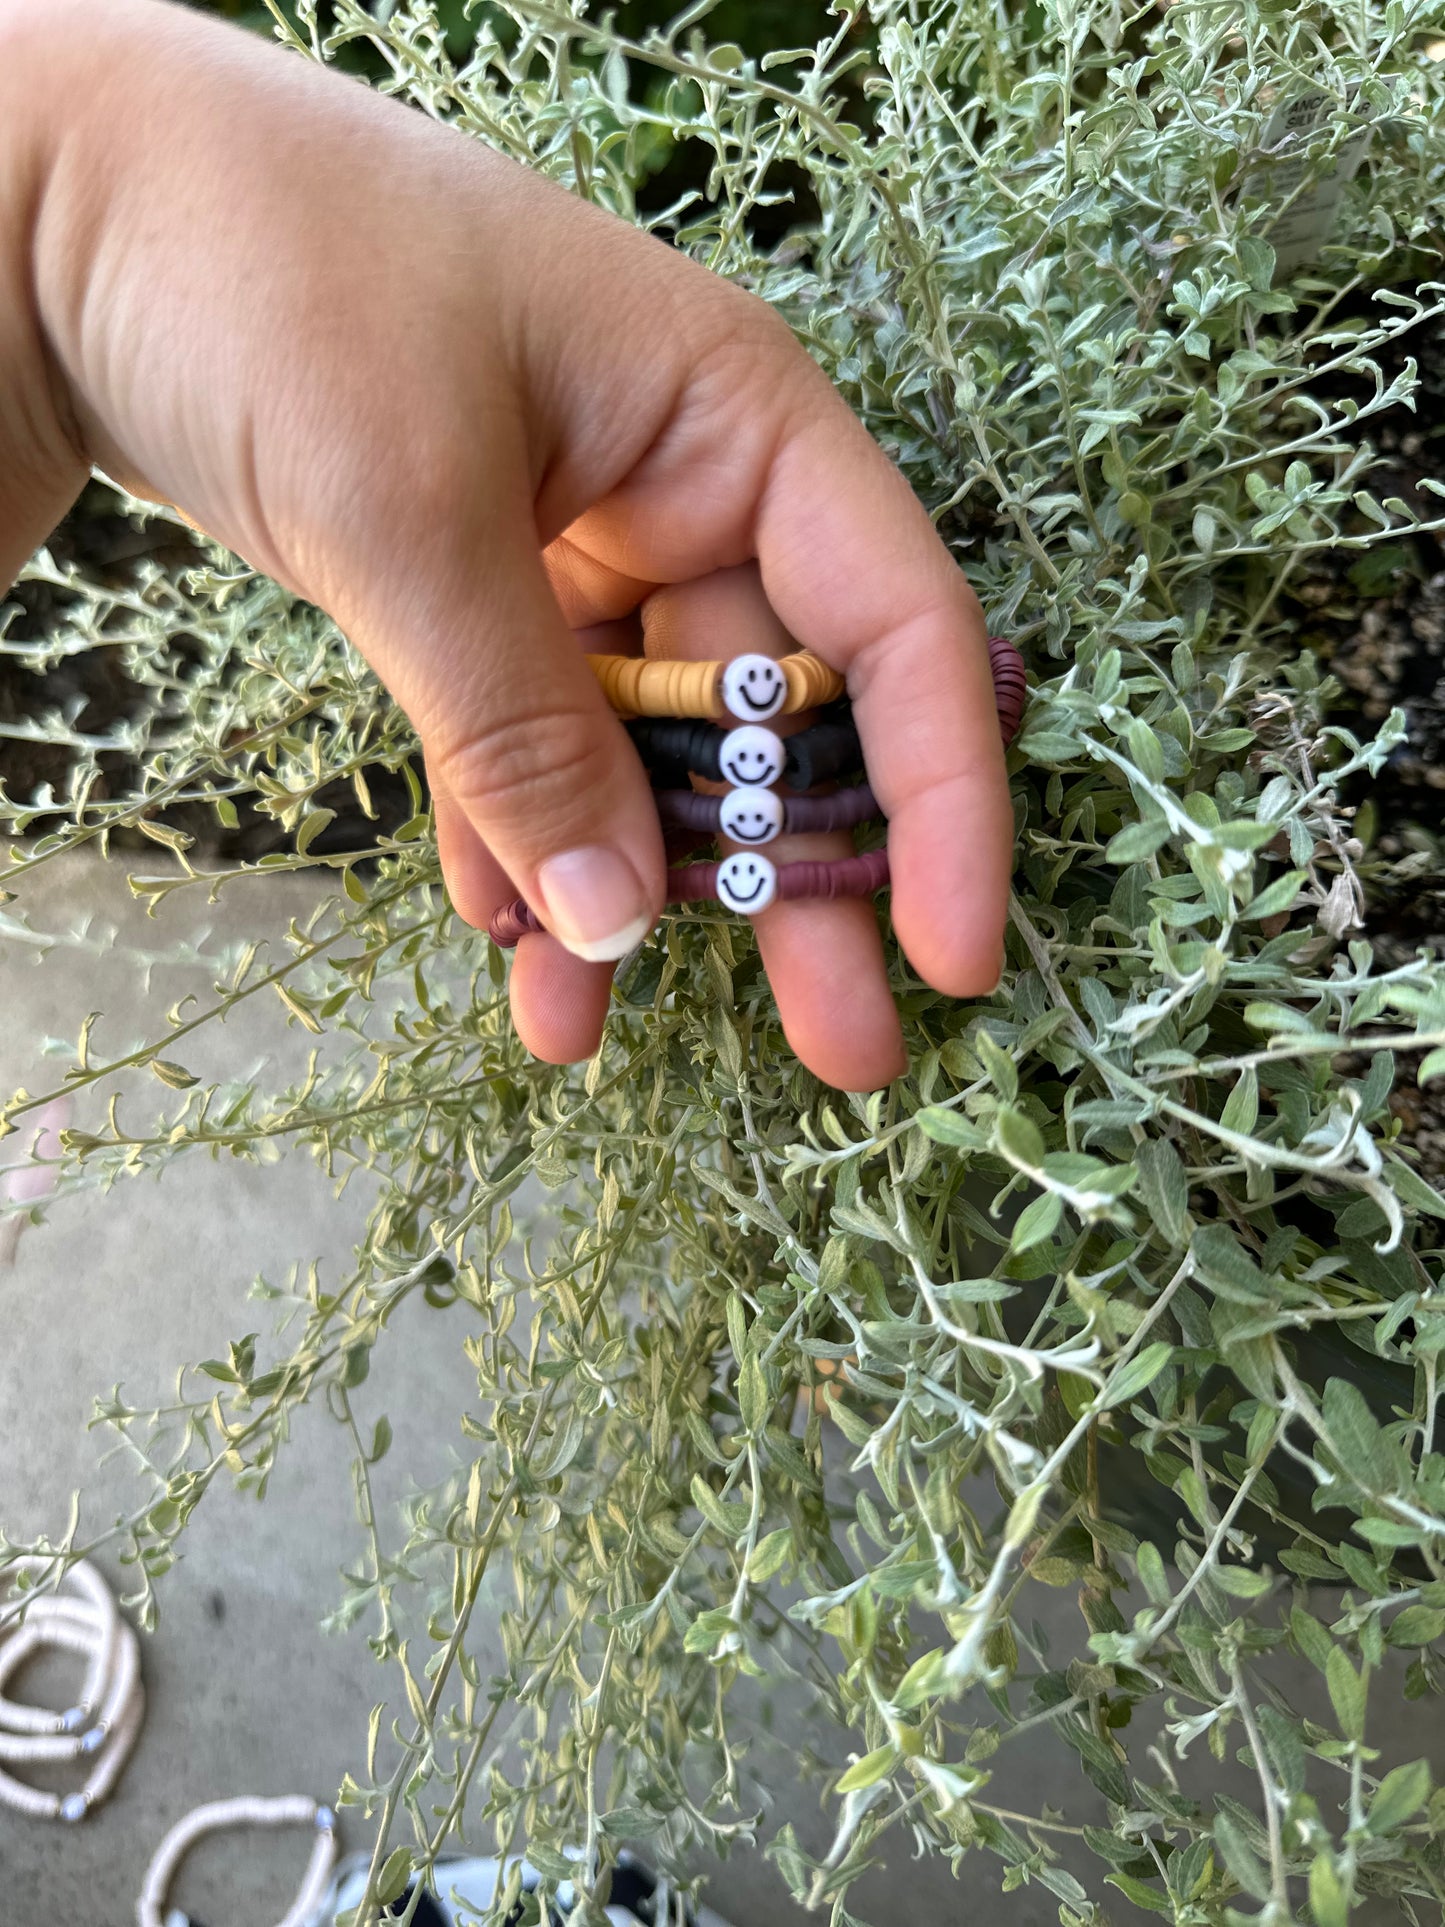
(674, 750)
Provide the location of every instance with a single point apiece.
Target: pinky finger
(476, 883)
(559, 1003)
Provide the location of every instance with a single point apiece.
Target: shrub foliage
(1131, 1287)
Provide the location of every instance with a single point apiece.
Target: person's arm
(469, 414)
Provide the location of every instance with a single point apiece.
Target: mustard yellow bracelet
(752, 688)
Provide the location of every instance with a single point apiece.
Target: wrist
(41, 464)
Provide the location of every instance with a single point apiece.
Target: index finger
(857, 573)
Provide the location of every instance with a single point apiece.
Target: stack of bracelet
(749, 691)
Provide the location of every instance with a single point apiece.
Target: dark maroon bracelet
(1010, 685)
(731, 881)
(845, 876)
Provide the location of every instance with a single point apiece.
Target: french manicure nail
(593, 903)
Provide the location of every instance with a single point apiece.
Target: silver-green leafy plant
(1132, 1286)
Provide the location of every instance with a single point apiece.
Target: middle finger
(824, 958)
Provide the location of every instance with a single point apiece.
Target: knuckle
(741, 342)
(427, 486)
(513, 769)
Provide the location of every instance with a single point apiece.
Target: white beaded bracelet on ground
(103, 1723)
(220, 1815)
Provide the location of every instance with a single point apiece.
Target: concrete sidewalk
(246, 1694)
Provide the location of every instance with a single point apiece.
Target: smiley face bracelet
(669, 708)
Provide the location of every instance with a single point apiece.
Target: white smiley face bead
(753, 688)
(751, 815)
(751, 757)
(746, 884)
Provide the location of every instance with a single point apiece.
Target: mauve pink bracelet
(689, 810)
(848, 876)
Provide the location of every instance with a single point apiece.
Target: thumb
(521, 743)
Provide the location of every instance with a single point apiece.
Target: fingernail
(593, 902)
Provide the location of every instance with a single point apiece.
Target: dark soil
(95, 694)
(1378, 620)
(92, 690)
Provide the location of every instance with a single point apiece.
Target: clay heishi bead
(849, 876)
(750, 815)
(672, 749)
(754, 688)
(655, 687)
(687, 810)
(746, 884)
(1010, 689)
(826, 749)
(751, 757)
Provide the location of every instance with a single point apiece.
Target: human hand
(468, 415)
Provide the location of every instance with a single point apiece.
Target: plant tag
(1300, 232)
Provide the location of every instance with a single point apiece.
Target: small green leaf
(724, 1517)
(1347, 1695)
(164, 834)
(1417, 1626)
(769, 1554)
(1311, 1638)
(923, 1679)
(1022, 1514)
(1048, 747)
(1277, 898)
(1149, 1898)
(1018, 1138)
(1402, 1794)
(306, 1018)
(950, 1128)
(1354, 1435)
(173, 1075)
(1145, 748)
(1001, 1068)
(1152, 1574)
(754, 1400)
(1239, 1856)
(1036, 1221)
(873, 1766)
(1240, 1582)
(391, 1881)
(1278, 1019)
(1241, 1107)
(704, 1635)
(1137, 1375)
(1223, 1262)
(1413, 1190)
(1134, 508)
(311, 828)
(1329, 1903)
(1164, 1188)
(1137, 842)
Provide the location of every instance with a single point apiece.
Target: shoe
(466, 1888)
